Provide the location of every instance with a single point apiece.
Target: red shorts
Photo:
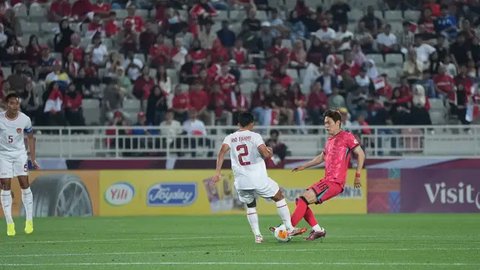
(325, 190)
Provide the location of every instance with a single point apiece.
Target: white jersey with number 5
(12, 143)
(248, 165)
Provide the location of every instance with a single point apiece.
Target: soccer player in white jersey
(247, 154)
(14, 161)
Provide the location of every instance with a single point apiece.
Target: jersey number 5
(10, 139)
(242, 150)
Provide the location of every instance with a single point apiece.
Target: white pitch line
(113, 240)
(231, 251)
(241, 263)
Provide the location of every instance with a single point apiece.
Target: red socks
(310, 217)
(300, 210)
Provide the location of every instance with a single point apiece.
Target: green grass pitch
(402, 241)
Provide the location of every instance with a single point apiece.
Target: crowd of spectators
(214, 59)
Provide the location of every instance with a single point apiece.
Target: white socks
(284, 213)
(252, 217)
(317, 228)
(6, 199)
(27, 199)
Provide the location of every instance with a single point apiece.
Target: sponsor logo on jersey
(172, 194)
(120, 193)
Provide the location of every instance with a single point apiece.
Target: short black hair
(245, 119)
(11, 95)
(334, 114)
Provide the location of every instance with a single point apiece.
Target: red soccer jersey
(337, 156)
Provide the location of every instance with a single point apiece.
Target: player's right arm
(315, 161)
(266, 152)
(220, 157)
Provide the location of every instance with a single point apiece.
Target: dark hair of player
(11, 95)
(335, 115)
(245, 119)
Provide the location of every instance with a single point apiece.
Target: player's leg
(324, 191)
(6, 200)
(284, 213)
(248, 198)
(301, 207)
(21, 171)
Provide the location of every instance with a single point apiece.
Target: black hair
(334, 114)
(274, 131)
(11, 95)
(245, 119)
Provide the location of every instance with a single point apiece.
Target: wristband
(357, 174)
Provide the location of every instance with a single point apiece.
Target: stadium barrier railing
(96, 142)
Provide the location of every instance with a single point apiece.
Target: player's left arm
(31, 148)
(360, 161)
(220, 157)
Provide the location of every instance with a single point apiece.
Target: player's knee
(252, 204)
(278, 196)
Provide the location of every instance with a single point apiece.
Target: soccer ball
(281, 234)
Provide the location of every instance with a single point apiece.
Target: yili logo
(120, 193)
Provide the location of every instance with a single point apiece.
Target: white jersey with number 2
(248, 165)
(12, 143)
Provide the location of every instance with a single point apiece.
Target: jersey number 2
(242, 150)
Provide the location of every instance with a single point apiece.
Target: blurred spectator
(98, 51)
(143, 84)
(88, 78)
(95, 26)
(73, 106)
(279, 149)
(364, 38)
(426, 22)
(218, 53)
(423, 52)
(250, 39)
(218, 102)
(226, 36)
(297, 102)
(207, 36)
(62, 40)
(30, 101)
(401, 105)
(45, 65)
(316, 103)
(297, 28)
(17, 80)
(112, 28)
(372, 23)
(159, 53)
(339, 10)
(202, 11)
(127, 38)
(237, 102)
(260, 106)
(357, 102)
(180, 103)
(15, 51)
(59, 9)
(156, 106)
(335, 100)
(412, 67)
(148, 38)
(163, 80)
(101, 8)
(343, 38)
(11, 24)
(53, 109)
(446, 24)
(387, 41)
(460, 50)
(199, 101)
(278, 101)
(405, 37)
(33, 52)
(112, 99)
(420, 107)
(328, 80)
(298, 56)
(445, 85)
(133, 66)
(80, 10)
(75, 48)
(178, 54)
(170, 128)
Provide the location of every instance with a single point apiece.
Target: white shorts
(269, 190)
(12, 167)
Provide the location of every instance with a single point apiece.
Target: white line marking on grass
(114, 240)
(241, 263)
(230, 251)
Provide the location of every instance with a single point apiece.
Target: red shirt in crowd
(181, 102)
(62, 8)
(445, 84)
(73, 103)
(198, 99)
(137, 23)
(77, 53)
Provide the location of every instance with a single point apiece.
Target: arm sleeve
(258, 140)
(28, 126)
(227, 140)
(351, 141)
